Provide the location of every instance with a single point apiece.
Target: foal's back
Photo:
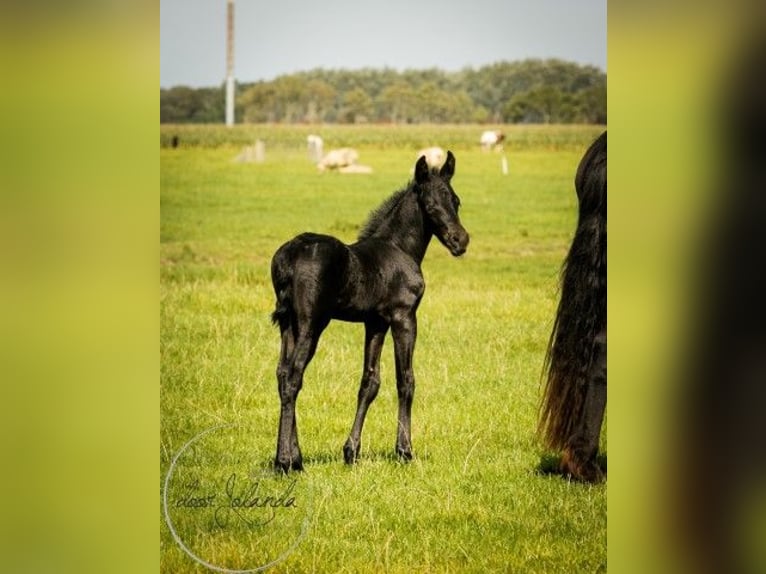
(318, 275)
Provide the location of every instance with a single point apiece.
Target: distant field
(472, 500)
(462, 137)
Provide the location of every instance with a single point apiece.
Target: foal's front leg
(374, 335)
(404, 330)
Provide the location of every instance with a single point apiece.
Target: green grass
(472, 500)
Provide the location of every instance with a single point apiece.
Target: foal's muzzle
(456, 240)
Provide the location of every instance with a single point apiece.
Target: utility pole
(229, 62)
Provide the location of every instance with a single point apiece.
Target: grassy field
(473, 499)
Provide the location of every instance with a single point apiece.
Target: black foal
(376, 281)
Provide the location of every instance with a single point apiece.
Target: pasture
(473, 499)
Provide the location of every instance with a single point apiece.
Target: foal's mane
(383, 211)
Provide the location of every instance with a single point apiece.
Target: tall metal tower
(229, 62)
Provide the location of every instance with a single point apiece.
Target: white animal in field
(492, 139)
(315, 145)
(435, 156)
(338, 158)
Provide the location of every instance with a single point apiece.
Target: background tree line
(529, 91)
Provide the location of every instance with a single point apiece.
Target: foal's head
(440, 203)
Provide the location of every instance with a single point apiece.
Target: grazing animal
(575, 392)
(492, 139)
(338, 158)
(376, 281)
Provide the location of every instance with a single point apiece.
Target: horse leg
(580, 455)
(288, 453)
(374, 335)
(404, 331)
(283, 370)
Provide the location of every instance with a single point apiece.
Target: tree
(357, 106)
(528, 91)
(182, 104)
(258, 103)
(593, 104)
(396, 103)
(321, 98)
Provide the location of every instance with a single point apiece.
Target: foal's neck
(405, 227)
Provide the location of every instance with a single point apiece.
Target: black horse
(575, 392)
(376, 281)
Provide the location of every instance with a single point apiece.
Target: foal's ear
(422, 172)
(448, 169)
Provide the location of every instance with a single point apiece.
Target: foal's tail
(581, 313)
(281, 315)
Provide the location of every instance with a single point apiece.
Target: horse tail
(581, 313)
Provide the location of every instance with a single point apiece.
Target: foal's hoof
(404, 455)
(350, 452)
(286, 466)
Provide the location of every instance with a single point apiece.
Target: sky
(276, 37)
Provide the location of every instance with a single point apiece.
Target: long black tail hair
(581, 313)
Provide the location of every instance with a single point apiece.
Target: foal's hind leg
(580, 455)
(288, 453)
(375, 334)
(283, 371)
